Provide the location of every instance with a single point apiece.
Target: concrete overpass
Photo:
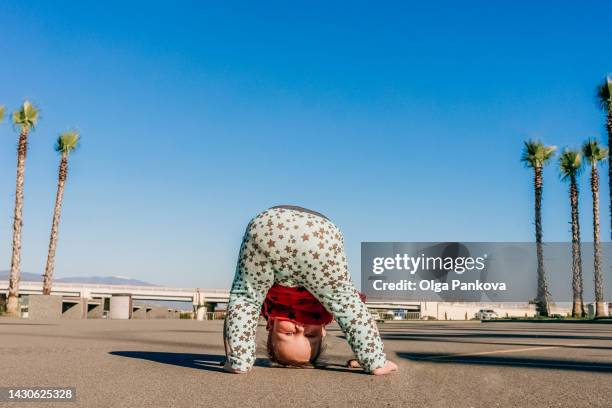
(200, 298)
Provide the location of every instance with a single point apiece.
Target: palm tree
(536, 155)
(25, 120)
(570, 164)
(66, 143)
(2, 109)
(595, 153)
(604, 98)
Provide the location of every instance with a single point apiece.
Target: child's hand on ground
(389, 367)
(353, 363)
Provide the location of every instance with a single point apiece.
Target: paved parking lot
(175, 363)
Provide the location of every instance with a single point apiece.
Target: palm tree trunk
(578, 306)
(542, 293)
(61, 181)
(609, 127)
(12, 304)
(599, 298)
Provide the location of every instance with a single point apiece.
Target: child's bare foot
(389, 367)
(353, 363)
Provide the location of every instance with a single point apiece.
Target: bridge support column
(200, 312)
(121, 306)
(212, 306)
(199, 305)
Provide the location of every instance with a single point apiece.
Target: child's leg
(253, 278)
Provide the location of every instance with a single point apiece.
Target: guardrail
(132, 287)
(403, 316)
(215, 315)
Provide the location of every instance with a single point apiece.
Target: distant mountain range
(101, 280)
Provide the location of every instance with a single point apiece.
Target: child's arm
(253, 279)
(330, 283)
(343, 301)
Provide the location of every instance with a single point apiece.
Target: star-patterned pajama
(296, 247)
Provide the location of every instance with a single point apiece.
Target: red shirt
(295, 304)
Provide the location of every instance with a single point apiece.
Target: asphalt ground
(175, 363)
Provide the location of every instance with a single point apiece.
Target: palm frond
(26, 117)
(67, 141)
(537, 154)
(570, 163)
(594, 152)
(604, 94)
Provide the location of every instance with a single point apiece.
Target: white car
(486, 314)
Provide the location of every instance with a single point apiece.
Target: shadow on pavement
(439, 358)
(414, 336)
(437, 339)
(208, 362)
(493, 328)
(190, 331)
(214, 362)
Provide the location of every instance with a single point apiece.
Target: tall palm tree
(536, 155)
(595, 153)
(24, 119)
(570, 165)
(604, 99)
(66, 143)
(2, 109)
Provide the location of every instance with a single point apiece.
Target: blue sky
(401, 121)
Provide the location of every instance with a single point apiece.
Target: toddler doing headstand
(292, 262)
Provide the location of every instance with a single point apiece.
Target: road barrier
(215, 315)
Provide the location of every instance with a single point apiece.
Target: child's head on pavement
(294, 344)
